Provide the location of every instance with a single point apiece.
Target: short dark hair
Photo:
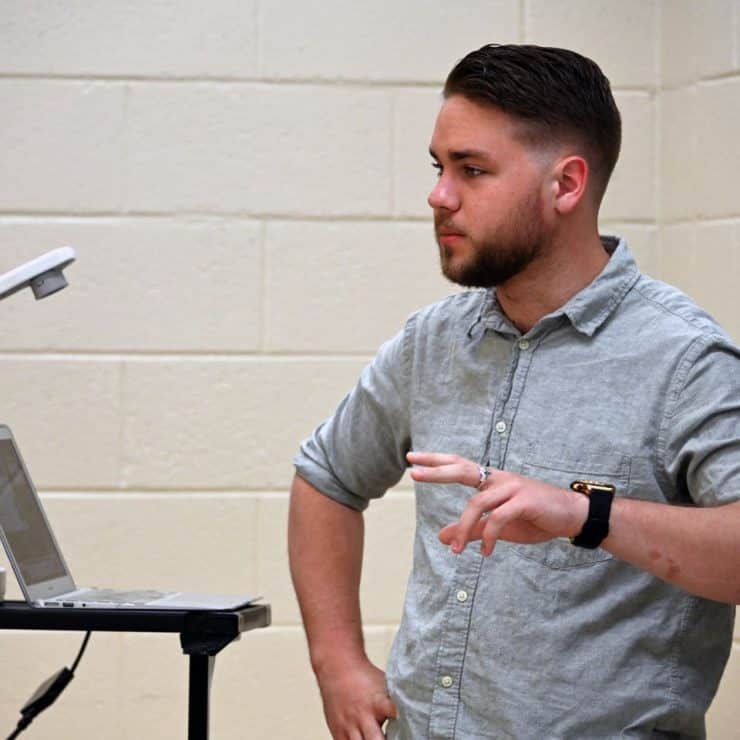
(556, 93)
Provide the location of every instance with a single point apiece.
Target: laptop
(42, 572)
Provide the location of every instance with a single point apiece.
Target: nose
(444, 195)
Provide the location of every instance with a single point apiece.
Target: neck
(551, 280)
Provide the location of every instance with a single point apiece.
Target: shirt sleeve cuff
(323, 480)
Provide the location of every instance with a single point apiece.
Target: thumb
(384, 706)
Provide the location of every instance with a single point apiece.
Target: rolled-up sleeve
(360, 452)
(701, 431)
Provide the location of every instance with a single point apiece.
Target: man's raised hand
(506, 506)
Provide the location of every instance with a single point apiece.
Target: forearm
(697, 549)
(325, 544)
(325, 541)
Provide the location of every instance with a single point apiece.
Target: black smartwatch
(596, 526)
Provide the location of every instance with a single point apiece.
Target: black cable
(47, 693)
(80, 652)
(21, 726)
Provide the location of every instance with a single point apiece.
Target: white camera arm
(43, 274)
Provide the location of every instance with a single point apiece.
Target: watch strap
(596, 526)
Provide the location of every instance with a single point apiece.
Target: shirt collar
(586, 310)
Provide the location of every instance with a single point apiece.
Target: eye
(437, 166)
(473, 171)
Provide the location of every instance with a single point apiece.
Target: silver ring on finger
(484, 475)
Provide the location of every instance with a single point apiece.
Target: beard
(496, 258)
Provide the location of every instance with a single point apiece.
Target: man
(571, 397)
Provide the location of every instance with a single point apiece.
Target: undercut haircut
(556, 95)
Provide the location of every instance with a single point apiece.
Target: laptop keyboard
(109, 596)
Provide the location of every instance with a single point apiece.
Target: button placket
(508, 399)
(496, 443)
(453, 645)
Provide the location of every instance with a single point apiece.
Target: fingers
(366, 727)
(506, 505)
(508, 512)
(449, 536)
(356, 702)
(386, 708)
(383, 709)
(432, 459)
(482, 519)
(437, 467)
(370, 731)
(486, 502)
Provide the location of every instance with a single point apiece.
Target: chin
(457, 274)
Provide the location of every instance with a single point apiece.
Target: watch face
(589, 486)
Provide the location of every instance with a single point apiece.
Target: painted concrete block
(696, 40)
(139, 285)
(346, 286)
(679, 155)
(631, 191)
(61, 146)
(258, 149)
(415, 114)
(92, 699)
(65, 415)
(409, 41)
(704, 260)
(599, 30)
(718, 156)
(129, 39)
(182, 542)
(225, 424)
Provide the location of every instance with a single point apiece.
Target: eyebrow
(457, 155)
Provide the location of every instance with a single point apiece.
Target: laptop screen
(23, 522)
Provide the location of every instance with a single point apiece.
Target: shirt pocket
(561, 470)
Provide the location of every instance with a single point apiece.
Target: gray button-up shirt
(629, 383)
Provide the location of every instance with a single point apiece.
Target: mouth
(447, 237)
(444, 227)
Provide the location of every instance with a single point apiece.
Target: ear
(570, 177)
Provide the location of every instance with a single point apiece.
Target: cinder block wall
(698, 209)
(245, 185)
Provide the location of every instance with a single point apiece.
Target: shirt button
(524, 344)
(500, 427)
(461, 596)
(446, 681)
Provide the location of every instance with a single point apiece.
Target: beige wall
(245, 183)
(698, 209)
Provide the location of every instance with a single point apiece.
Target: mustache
(447, 227)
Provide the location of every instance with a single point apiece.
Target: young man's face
(488, 200)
